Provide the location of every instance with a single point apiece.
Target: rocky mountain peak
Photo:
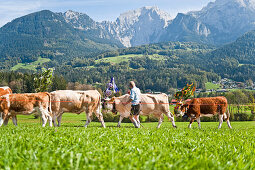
(133, 16)
(78, 20)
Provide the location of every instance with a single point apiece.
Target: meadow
(122, 58)
(30, 66)
(71, 146)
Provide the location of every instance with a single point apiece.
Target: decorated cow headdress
(111, 88)
(185, 93)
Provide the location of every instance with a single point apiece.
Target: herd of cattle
(52, 106)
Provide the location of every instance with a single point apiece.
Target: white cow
(156, 104)
(76, 102)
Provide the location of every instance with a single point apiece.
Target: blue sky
(98, 10)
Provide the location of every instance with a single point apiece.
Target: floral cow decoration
(184, 94)
(111, 88)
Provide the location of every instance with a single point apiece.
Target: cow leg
(54, 119)
(160, 120)
(44, 120)
(88, 120)
(100, 118)
(220, 120)
(48, 116)
(171, 117)
(50, 120)
(190, 123)
(14, 120)
(228, 122)
(6, 121)
(59, 119)
(198, 122)
(45, 116)
(121, 118)
(1, 119)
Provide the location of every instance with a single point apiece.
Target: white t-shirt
(135, 95)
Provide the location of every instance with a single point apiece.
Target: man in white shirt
(135, 99)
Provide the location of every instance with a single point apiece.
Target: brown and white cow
(208, 107)
(3, 91)
(156, 104)
(76, 102)
(25, 104)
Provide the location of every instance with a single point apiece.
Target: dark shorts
(135, 109)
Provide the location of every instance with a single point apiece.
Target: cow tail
(99, 105)
(49, 109)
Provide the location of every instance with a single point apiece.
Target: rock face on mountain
(227, 19)
(141, 26)
(186, 28)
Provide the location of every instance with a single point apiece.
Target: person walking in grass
(135, 99)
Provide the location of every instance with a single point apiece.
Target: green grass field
(122, 58)
(30, 66)
(72, 146)
(210, 85)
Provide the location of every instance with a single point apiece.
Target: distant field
(122, 58)
(210, 85)
(72, 146)
(30, 66)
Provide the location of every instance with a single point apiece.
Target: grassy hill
(30, 66)
(213, 86)
(126, 58)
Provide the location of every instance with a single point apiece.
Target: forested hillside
(159, 67)
(235, 60)
(46, 34)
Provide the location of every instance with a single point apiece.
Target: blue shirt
(135, 96)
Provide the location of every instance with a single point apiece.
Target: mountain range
(66, 36)
(218, 23)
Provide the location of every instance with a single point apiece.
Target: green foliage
(71, 146)
(43, 80)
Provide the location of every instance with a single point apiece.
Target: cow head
(180, 109)
(109, 105)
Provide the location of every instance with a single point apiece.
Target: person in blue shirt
(135, 99)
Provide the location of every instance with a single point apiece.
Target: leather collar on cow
(103, 103)
(114, 108)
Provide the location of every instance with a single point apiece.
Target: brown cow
(76, 102)
(208, 107)
(13, 104)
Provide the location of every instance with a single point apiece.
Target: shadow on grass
(96, 126)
